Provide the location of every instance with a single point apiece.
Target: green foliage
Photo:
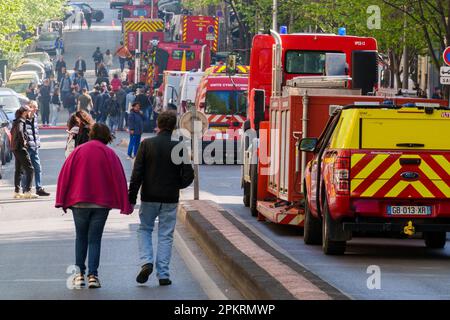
(18, 16)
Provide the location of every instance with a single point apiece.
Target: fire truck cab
(223, 99)
(379, 167)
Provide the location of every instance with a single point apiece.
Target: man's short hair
(84, 90)
(167, 121)
(101, 133)
(136, 104)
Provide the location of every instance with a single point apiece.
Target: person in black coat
(44, 99)
(160, 179)
(19, 145)
(80, 65)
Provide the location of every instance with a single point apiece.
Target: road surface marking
(208, 285)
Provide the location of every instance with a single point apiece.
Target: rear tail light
(341, 175)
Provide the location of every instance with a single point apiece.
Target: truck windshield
(305, 62)
(178, 55)
(226, 102)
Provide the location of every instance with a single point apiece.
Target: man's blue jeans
(113, 123)
(34, 156)
(167, 214)
(133, 146)
(122, 63)
(89, 225)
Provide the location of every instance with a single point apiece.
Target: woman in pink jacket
(91, 183)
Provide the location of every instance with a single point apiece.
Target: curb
(245, 272)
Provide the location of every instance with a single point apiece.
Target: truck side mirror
(308, 144)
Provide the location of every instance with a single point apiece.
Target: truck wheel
(246, 194)
(3, 154)
(312, 227)
(254, 189)
(329, 246)
(435, 240)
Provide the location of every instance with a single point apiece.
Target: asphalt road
(37, 247)
(408, 270)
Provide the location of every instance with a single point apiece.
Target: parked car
(42, 57)
(30, 76)
(19, 86)
(114, 4)
(5, 138)
(32, 66)
(46, 42)
(97, 14)
(10, 100)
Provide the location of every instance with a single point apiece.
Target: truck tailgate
(400, 174)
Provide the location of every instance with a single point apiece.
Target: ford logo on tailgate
(409, 175)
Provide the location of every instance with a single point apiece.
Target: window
(9, 103)
(140, 13)
(305, 62)
(178, 55)
(226, 102)
(48, 36)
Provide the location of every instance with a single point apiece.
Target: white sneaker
(29, 195)
(18, 195)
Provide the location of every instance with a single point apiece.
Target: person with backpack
(19, 147)
(98, 58)
(70, 101)
(160, 179)
(113, 112)
(65, 86)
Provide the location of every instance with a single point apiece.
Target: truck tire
(435, 240)
(246, 197)
(253, 189)
(329, 246)
(312, 234)
(3, 154)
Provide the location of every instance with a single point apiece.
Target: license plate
(409, 210)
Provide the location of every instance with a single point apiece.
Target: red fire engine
(223, 99)
(196, 29)
(295, 82)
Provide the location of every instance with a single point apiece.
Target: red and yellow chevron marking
(243, 69)
(216, 32)
(379, 176)
(185, 21)
(156, 25)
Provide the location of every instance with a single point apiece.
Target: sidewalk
(251, 264)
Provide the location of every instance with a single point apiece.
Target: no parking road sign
(447, 56)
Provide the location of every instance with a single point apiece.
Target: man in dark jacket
(161, 179)
(44, 99)
(98, 58)
(33, 145)
(19, 144)
(121, 99)
(80, 65)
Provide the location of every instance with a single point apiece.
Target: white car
(32, 76)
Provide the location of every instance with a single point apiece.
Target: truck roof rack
(389, 104)
(331, 82)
